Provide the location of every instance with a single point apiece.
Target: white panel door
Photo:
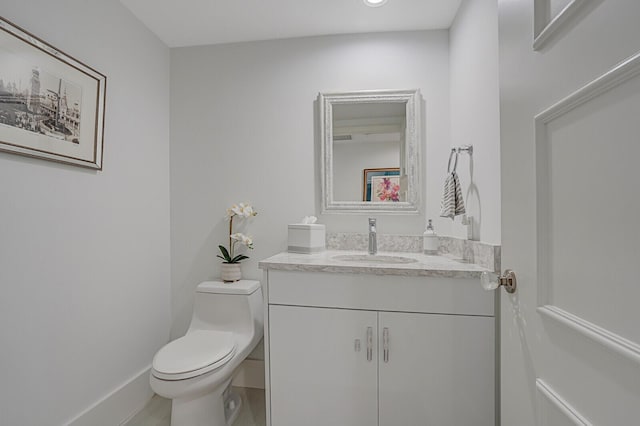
(570, 152)
(438, 371)
(320, 375)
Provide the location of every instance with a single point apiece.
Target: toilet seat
(196, 353)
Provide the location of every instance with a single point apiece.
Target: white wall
(243, 128)
(475, 115)
(84, 258)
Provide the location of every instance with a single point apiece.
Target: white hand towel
(452, 202)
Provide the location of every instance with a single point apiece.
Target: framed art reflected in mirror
(381, 184)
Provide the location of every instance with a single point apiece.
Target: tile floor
(158, 411)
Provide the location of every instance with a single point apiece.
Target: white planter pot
(230, 272)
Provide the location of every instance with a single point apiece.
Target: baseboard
(250, 374)
(118, 406)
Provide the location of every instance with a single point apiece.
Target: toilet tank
(235, 307)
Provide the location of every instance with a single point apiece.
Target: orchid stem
(230, 233)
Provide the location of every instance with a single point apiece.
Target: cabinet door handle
(369, 343)
(385, 344)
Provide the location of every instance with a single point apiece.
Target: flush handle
(490, 281)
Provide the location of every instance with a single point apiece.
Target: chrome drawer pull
(385, 344)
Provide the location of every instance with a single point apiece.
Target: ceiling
(181, 23)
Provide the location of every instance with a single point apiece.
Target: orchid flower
(243, 239)
(243, 210)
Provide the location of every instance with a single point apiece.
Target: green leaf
(225, 253)
(238, 258)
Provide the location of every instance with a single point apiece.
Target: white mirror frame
(411, 161)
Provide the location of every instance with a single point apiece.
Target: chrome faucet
(373, 241)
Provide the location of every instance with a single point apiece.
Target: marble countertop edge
(442, 266)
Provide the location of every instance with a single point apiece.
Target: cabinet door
(319, 374)
(439, 370)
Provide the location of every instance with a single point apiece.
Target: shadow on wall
(185, 287)
(472, 197)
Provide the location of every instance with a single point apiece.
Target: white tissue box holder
(306, 238)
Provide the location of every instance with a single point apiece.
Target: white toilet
(195, 370)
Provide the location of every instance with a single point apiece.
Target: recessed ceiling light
(374, 3)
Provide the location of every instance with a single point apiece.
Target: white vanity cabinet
(363, 349)
(439, 370)
(318, 375)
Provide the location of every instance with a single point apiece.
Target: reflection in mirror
(370, 146)
(366, 148)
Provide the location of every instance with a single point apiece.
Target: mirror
(370, 151)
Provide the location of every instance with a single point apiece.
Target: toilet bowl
(195, 371)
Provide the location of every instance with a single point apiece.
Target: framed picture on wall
(381, 184)
(51, 105)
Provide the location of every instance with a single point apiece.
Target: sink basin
(369, 258)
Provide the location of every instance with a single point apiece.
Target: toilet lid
(198, 352)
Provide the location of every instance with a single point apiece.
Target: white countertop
(425, 265)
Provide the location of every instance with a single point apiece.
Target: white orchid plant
(242, 211)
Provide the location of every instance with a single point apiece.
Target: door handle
(489, 281)
(385, 344)
(369, 343)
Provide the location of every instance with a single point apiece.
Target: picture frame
(373, 178)
(52, 106)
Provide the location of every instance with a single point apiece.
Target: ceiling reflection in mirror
(370, 144)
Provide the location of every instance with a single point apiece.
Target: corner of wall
(475, 115)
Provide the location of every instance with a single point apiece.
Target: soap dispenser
(430, 240)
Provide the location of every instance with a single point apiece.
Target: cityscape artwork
(51, 105)
(36, 101)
